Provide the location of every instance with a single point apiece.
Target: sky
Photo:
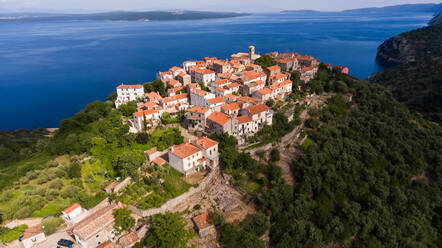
(210, 5)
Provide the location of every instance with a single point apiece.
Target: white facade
(200, 98)
(127, 93)
(205, 76)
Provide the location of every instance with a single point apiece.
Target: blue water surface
(51, 70)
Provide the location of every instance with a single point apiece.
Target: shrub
(56, 184)
(23, 212)
(70, 191)
(50, 225)
(42, 178)
(51, 194)
(274, 155)
(6, 196)
(197, 207)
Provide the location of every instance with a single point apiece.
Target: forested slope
(369, 177)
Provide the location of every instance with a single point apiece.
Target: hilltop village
(211, 96)
(222, 96)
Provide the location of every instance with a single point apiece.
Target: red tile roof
(265, 91)
(273, 68)
(219, 118)
(231, 106)
(125, 86)
(71, 208)
(175, 68)
(198, 109)
(106, 244)
(95, 222)
(203, 71)
(205, 142)
(175, 97)
(231, 97)
(243, 119)
(216, 100)
(153, 95)
(185, 150)
(199, 92)
(232, 85)
(159, 161)
(146, 112)
(202, 221)
(255, 109)
(128, 239)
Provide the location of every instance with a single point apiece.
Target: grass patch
(8, 235)
(307, 143)
(51, 209)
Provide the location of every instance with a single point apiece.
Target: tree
(127, 163)
(265, 61)
(274, 155)
(128, 108)
(50, 225)
(156, 86)
(142, 138)
(123, 220)
(168, 231)
(257, 224)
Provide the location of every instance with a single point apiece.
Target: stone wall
(172, 203)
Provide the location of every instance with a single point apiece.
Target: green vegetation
(280, 127)
(155, 86)
(417, 85)
(7, 235)
(168, 231)
(123, 220)
(128, 109)
(148, 192)
(246, 235)
(167, 119)
(265, 61)
(50, 225)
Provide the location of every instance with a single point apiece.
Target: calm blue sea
(51, 70)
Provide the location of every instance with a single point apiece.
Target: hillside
(120, 16)
(366, 175)
(437, 19)
(404, 8)
(410, 46)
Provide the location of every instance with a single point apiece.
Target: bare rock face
(395, 51)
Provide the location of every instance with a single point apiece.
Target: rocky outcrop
(395, 51)
(437, 19)
(411, 46)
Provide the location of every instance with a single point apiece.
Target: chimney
(202, 143)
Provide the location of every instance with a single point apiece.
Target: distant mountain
(437, 19)
(120, 16)
(425, 8)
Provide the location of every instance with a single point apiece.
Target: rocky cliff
(437, 19)
(411, 46)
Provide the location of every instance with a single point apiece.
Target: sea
(51, 70)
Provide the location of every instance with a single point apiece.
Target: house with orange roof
(209, 148)
(288, 64)
(186, 158)
(215, 103)
(96, 228)
(164, 76)
(263, 95)
(309, 72)
(128, 239)
(231, 109)
(278, 78)
(188, 64)
(306, 60)
(229, 98)
(220, 91)
(176, 103)
(282, 89)
(253, 76)
(254, 67)
(261, 114)
(196, 117)
(244, 127)
(200, 97)
(203, 224)
(272, 70)
(219, 123)
(174, 83)
(205, 76)
(72, 212)
(247, 101)
(184, 78)
(150, 117)
(175, 70)
(174, 91)
(221, 66)
(127, 93)
(153, 97)
(32, 237)
(342, 69)
(249, 89)
(220, 76)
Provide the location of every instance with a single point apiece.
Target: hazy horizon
(214, 5)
